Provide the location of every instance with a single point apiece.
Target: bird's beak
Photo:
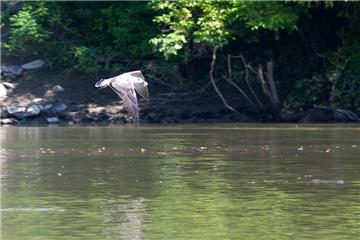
(103, 83)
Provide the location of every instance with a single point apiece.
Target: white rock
(14, 109)
(58, 88)
(51, 120)
(33, 64)
(33, 110)
(61, 107)
(3, 91)
(22, 112)
(8, 120)
(8, 85)
(14, 69)
(38, 100)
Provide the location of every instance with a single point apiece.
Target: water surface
(180, 182)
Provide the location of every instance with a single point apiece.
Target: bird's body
(126, 86)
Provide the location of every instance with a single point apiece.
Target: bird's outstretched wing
(127, 94)
(136, 74)
(142, 89)
(139, 82)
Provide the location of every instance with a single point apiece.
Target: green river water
(217, 181)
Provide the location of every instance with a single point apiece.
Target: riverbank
(40, 97)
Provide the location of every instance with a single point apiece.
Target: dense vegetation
(259, 58)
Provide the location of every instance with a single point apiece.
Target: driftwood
(237, 87)
(268, 87)
(267, 83)
(211, 74)
(269, 93)
(246, 67)
(321, 114)
(266, 79)
(256, 103)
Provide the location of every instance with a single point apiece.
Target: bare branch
(229, 80)
(260, 75)
(211, 74)
(240, 90)
(229, 65)
(247, 67)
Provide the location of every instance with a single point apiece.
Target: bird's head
(103, 83)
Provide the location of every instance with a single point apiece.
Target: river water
(215, 181)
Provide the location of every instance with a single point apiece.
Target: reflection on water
(180, 182)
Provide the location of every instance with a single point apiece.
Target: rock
(343, 115)
(32, 121)
(76, 116)
(60, 107)
(33, 64)
(8, 121)
(8, 85)
(13, 69)
(52, 120)
(49, 94)
(3, 91)
(101, 117)
(58, 88)
(13, 110)
(9, 75)
(47, 107)
(34, 110)
(318, 115)
(4, 86)
(22, 112)
(3, 113)
(326, 114)
(40, 106)
(38, 100)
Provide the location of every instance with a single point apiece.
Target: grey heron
(126, 86)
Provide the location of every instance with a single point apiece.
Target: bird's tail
(135, 117)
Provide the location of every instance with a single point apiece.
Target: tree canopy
(305, 53)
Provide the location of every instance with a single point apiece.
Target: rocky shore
(30, 95)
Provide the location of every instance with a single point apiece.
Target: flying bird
(126, 86)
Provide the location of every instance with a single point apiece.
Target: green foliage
(59, 54)
(85, 59)
(268, 15)
(342, 73)
(215, 22)
(125, 27)
(186, 21)
(169, 44)
(89, 36)
(337, 78)
(27, 30)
